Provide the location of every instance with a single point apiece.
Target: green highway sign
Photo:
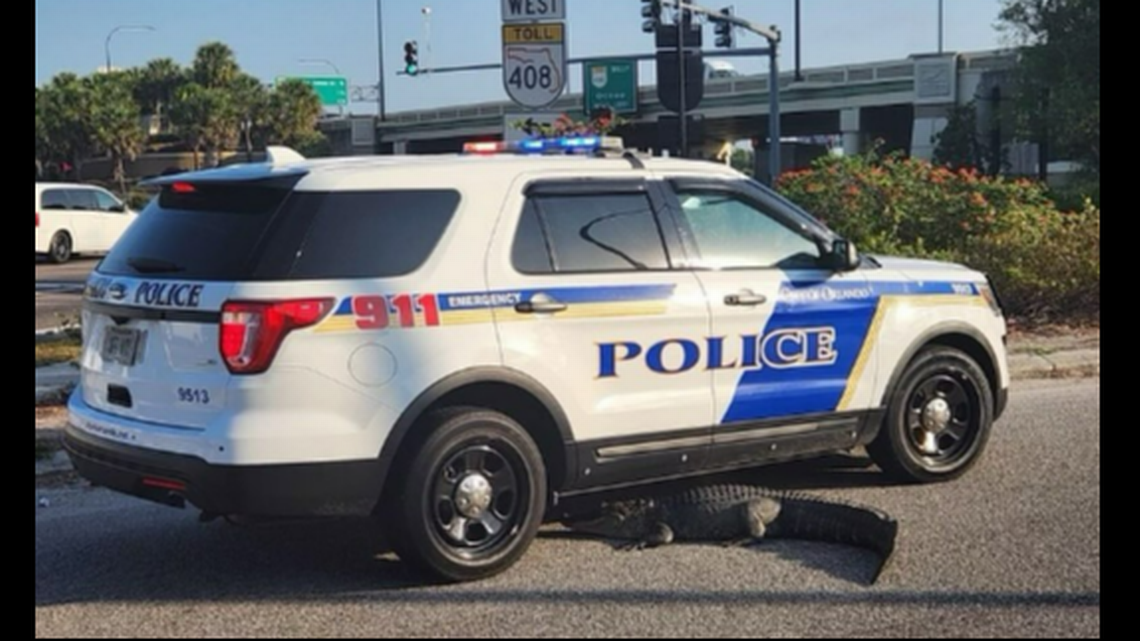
(332, 90)
(610, 83)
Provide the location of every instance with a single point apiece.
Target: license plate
(121, 345)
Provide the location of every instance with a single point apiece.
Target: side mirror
(844, 256)
(118, 209)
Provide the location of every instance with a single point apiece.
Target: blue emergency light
(568, 144)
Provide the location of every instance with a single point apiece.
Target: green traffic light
(411, 70)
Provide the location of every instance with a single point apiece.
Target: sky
(271, 36)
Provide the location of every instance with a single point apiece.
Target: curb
(1082, 363)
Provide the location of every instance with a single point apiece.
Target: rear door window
(371, 234)
(83, 199)
(584, 233)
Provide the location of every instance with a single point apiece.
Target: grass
(58, 350)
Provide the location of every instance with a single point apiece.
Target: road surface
(58, 290)
(1013, 549)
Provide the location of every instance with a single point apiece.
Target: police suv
(455, 343)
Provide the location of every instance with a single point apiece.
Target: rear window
(54, 199)
(244, 232)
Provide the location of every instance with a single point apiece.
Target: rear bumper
(323, 489)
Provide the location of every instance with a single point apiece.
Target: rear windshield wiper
(154, 266)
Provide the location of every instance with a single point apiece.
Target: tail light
(37, 219)
(252, 331)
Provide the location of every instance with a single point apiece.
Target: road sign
(533, 10)
(534, 62)
(610, 83)
(332, 90)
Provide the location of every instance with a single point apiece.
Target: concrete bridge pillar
(849, 125)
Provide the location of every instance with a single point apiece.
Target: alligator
(740, 515)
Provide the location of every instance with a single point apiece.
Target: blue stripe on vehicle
(767, 392)
(570, 295)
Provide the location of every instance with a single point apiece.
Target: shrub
(1044, 263)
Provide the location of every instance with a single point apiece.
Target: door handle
(745, 298)
(540, 304)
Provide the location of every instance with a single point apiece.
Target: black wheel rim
(478, 499)
(943, 420)
(60, 249)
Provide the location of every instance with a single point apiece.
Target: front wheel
(473, 498)
(939, 418)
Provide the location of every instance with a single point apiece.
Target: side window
(371, 234)
(107, 202)
(83, 199)
(589, 233)
(530, 254)
(732, 233)
(54, 199)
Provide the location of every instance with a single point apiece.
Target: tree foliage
(293, 111)
(1059, 74)
(211, 104)
(158, 83)
(115, 120)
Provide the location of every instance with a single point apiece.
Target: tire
(444, 524)
(60, 250)
(938, 421)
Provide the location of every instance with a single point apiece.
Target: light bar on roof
(567, 144)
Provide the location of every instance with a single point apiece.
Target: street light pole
(941, 23)
(799, 46)
(380, 56)
(122, 27)
(320, 61)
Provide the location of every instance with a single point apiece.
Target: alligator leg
(662, 535)
(756, 514)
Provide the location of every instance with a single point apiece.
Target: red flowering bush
(1043, 262)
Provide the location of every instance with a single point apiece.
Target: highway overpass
(903, 102)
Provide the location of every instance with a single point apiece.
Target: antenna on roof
(279, 156)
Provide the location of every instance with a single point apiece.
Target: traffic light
(725, 36)
(651, 11)
(411, 58)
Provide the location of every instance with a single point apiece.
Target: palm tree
(215, 66)
(157, 84)
(116, 123)
(294, 109)
(251, 100)
(208, 120)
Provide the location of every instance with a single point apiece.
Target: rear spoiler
(281, 162)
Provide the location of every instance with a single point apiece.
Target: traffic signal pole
(683, 23)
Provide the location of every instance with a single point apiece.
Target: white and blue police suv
(454, 343)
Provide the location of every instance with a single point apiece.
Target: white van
(77, 219)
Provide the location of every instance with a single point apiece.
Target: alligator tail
(814, 519)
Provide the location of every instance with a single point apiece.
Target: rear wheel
(939, 418)
(473, 498)
(60, 250)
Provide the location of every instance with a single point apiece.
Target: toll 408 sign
(534, 60)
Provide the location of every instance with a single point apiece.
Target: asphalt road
(1013, 549)
(58, 290)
